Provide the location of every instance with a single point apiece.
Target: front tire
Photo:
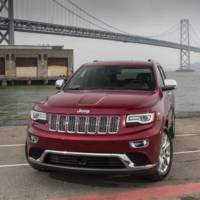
(165, 158)
(172, 129)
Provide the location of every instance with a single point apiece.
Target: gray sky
(139, 17)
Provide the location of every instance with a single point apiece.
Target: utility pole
(7, 35)
(185, 64)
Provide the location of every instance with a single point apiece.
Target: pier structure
(34, 64)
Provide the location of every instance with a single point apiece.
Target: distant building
(35, 63)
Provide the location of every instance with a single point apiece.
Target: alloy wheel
(165, 155)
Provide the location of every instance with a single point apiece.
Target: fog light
(139, 144)
(34, 139)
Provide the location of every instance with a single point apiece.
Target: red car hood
(103, 99)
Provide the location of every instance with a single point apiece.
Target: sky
(138, 17)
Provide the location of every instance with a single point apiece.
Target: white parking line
(187, 135)
(186, 152)
(11, 145)
(14, 165)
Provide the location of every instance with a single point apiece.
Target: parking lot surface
(20, 182)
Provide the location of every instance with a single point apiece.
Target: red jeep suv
(110, 117)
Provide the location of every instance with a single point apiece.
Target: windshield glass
(112, 77)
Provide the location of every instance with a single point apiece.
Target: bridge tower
(185, 64)
(7, 7)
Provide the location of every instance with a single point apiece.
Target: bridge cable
(95, 18)
(196, 35)
(172, 29)
(84, 19)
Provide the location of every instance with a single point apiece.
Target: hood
(111, 99)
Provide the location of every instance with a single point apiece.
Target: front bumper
(115, 146)
(129, 166)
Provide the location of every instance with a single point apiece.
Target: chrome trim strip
(66, 124)
(61, 131)
(123, 157)
(76, 123)
(106, 125)
(92, 132)
(49, 118)
(118, 121)
(69, 123)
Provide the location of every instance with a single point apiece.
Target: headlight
(146, 118)
(37, 116)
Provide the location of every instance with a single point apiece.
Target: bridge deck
(47, 28)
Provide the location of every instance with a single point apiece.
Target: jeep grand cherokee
(111, 117)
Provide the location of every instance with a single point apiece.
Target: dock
(27, 65)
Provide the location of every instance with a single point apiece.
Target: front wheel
(172, 129)
(165, 158)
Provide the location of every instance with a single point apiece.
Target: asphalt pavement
(18, 181)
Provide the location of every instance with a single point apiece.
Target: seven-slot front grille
(84, 124)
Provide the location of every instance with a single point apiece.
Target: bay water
(17, 101)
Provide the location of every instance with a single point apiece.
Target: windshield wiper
(111, 88)
(130, 88)
(103, 88)
(75, 88)
(93, 88)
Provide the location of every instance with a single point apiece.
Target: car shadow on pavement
(121, 181)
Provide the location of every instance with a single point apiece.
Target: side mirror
(59, 84)
(170, 84)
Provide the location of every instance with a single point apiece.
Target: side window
(162, 76)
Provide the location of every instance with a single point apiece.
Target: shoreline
(22, 122)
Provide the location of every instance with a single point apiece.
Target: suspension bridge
(65, 17)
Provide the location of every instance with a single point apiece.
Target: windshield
(112, 77)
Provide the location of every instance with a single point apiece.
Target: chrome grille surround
(84, 124)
